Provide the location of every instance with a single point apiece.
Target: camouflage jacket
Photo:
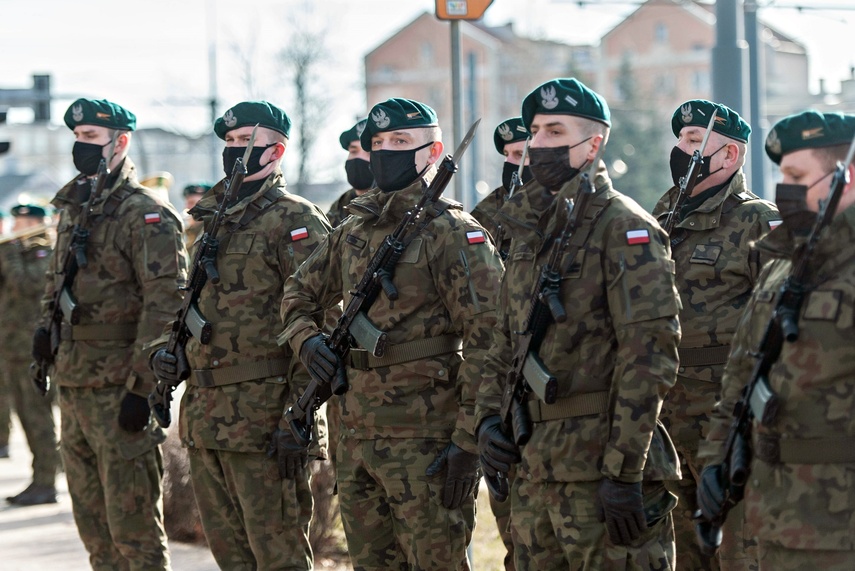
(807, 504)
(337, 211)
(485, 211)
(446, 279)
(23, 264)
(137, 262)
(253, 260)
(620, 336)
(716, 268)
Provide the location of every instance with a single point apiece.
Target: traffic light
(4, 145)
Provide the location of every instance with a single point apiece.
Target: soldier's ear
(435, 152)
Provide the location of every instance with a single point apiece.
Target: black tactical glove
(171, 368)
(498, 452)
(134, 413)
(291, 458)
(621, 506)
(461, 476)
(42, 352)
(711, 492)
(320, 361)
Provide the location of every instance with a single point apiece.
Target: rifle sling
(773, 449)
(703, 356)
(581, 404)
(253, 210)
(254, 371)
(363, 360)
(99, 332)
(679, 235)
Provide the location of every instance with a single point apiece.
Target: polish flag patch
(637, 237)
(774, 224)
(299, 234)
(476, 237)
(152, 218)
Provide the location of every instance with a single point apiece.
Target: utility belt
(581, 404)
(239, 373)
(98, 332)
(773, 449)
(703, 356)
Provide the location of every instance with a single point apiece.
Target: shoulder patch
(152, 218)
(354, 241)
(641, 236)
(475, 237)
(774, 224)
(299, 234)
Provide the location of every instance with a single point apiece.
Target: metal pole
(475, 155)
(456, 97)
(216, 174)
(729, 56)
(757, 99)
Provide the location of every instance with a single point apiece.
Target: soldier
(358, 170)
(125, 295)
(798, 497)
(5, 398)
(406, 462)
(192, 227)
(509, 138)
(249, 476)
(23, 262)
(716, 271)
(598, 454)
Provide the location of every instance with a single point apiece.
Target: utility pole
(729, 56)
(757, 99)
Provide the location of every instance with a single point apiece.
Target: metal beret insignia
(229, 119)
(686, 113)
(380, 119)
(77, 113)
(505, 132)
(549, 100)
(773, 143)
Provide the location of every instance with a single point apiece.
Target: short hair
(431, 134)
(829, 156)
(589, 128)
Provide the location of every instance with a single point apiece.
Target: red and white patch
(476, 237)
(299, 234)
(41, 253)
(152, 218)
(774, 224)
(637, 237)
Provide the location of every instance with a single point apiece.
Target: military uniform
(400, 413)
(485, 211)
(24, 263)
(126, 295)
(337, 211)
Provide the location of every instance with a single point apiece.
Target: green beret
(352, 134)
(565, 96)
(809, 130)
(250, 113)
(509, 131)
(394, 114)
(697, 112)
(100, 112)
(192, 189)
(29, 210)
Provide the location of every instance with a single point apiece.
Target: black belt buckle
(204, 378)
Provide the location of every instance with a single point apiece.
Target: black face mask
(680, 165)
(508, 170)
(394, 170)
(231, 154)
(87, 157)
(359, 174)
(550, 166)
(792, 205)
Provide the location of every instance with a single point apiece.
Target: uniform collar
(210, 201)
(708, 214)
(390, 205)
(69, 195)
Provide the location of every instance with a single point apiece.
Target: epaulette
(744, 196)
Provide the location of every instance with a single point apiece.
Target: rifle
(189, 321)
(687, 183)
(353, 322)
(516, 179)
(758, 400)
(63, 304)
(528, 373)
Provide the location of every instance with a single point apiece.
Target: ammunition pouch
(581, 404)
(773, 449)
(404, 352)
(199, 327)
(254, 371)
(99, 332)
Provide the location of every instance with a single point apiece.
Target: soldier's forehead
(89, 129)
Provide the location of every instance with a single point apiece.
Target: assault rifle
(687, 183)
(516, 178)
(353, 322)
(758, 400)
(63, 303)
(189, 321)
(528, 373)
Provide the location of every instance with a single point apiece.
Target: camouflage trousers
(252, 519)
(392, 515)
(502, 513)
(115, 481)
(555, 526)
(36, 415)
(773, 557)
(5, 408)
(685, 413)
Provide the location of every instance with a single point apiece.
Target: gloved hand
(168, 367)
(711, 492)
(320, 361)
(40, 377)
(497, 451)
(134, 413)
(461, 476)
(621, 506)
(41, 346)
(291, 458)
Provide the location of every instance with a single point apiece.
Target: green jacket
(337, 211)
(485, 212)
(23, 264)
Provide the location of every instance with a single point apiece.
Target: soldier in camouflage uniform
(716, 270)
(799, 495)
(192, 228)
(358, 171)
(126, 295)
(407, 467)
(5, 397)
(249, 475)
(509, 139)
(589, 492)
(23, 262)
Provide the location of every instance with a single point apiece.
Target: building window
(661, 33)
